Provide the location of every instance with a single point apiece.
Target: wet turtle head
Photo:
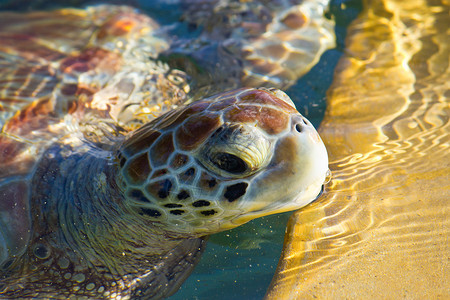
(221, 162)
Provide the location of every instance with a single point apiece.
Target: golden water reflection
(382, 229)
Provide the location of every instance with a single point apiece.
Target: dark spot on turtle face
(173, 205)
(177, 212)
(183, 195)
(150, 212)
(41, 251)
(201, 203)
(235, 191)
(138, 195)
(190, 172)
(166, 185)
(208, 212)
(160, 189)
(273, 121)
(207, 182)
(188, 175)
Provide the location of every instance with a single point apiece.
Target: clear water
(381, 231)
(382, 228)
(240, 263)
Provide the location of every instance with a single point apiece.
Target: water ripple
(382, 228)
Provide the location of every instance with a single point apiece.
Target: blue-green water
(240, 263)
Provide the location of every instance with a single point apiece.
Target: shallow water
(382, 229)
(242, 262)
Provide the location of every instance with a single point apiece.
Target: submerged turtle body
(90, 209)
(276, 41)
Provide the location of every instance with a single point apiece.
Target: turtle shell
(269, 43)
(69, 71)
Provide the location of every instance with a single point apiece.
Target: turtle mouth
(301, 200)
(322, 189)
(274, 208)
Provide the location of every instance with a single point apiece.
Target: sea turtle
(99, 198)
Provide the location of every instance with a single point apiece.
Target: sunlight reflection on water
(382, 228)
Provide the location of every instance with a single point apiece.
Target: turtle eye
(229, 163)
(235, 151)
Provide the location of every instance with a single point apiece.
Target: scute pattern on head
(162, 149)
(204, 159)
(139, 169)
(195, 131)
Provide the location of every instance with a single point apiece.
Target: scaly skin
(131, 220)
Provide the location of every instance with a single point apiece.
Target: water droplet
(328, 177)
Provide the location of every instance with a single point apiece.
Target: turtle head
(222, 161)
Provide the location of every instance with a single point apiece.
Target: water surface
(382, 229)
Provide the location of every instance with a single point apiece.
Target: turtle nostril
(298, 127)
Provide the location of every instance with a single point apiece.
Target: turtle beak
(294, 177)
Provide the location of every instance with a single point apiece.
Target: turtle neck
(86, 242)
(85, 209)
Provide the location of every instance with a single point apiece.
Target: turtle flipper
(166, 278)
(261, 43)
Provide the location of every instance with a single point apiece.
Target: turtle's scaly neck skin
(87, 241)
